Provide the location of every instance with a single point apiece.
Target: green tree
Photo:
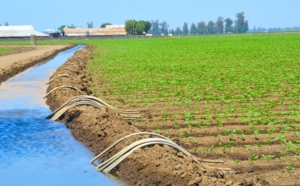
(185, 29)
(228, 25)
(210, 27)
(241, 26)
(202, 29)
(140, 28)
(103, 25)
(155, 27)
(220, 25)
(194, 29)
(178, 31)
(147, 25)
(245, 27)
(172, 31)
(164, 27)
(133, 27)
(6, 24)
(61, 27)
(130, 26)
(90, 24)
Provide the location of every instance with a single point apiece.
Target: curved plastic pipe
(70, 69)
(89, 100)
(64, 86)
(112, 162)
(114, 144)
(59, 75)
(66, 108)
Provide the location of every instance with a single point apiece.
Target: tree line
(274, 29)
(134, 27)
(220, 26)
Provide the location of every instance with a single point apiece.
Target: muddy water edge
(36, 151)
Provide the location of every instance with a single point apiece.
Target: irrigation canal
(36, 151)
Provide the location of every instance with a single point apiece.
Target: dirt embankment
(98, 129)
(25, 57)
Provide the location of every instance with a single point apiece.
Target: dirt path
(13, 64)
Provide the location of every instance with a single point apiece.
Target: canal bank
(12, 64)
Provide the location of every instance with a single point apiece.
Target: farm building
(19, 31)
(109, 30)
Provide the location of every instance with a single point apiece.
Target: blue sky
(52, 14)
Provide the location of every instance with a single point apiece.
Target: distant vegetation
(69, 26)
(275, 29)
(134, 27)
(220, 26)
(240, 25)
(90, 24)
(104, 25)
(5, 24)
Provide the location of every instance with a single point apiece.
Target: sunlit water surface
(36, 151)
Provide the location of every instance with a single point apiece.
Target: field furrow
(231, 98)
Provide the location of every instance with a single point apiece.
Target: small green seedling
(268, 157)
(236, 162)
(281, 159)
(293, 160)
(297, 141)
(211, 148)
(289, 168)
(249, 147)
(253, 158)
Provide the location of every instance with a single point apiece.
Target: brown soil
(153, 165)
(26, 56)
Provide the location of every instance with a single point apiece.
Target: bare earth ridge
(26, 57)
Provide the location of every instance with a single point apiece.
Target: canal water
(35, 151)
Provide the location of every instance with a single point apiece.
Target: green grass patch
(5, 50)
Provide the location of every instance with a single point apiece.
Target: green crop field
(233, 97)
(223, 70)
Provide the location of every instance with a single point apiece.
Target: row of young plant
(209, 81)
(227, 147)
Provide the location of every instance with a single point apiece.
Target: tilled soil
(153, 165)
(231, 139)
(24, 57)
